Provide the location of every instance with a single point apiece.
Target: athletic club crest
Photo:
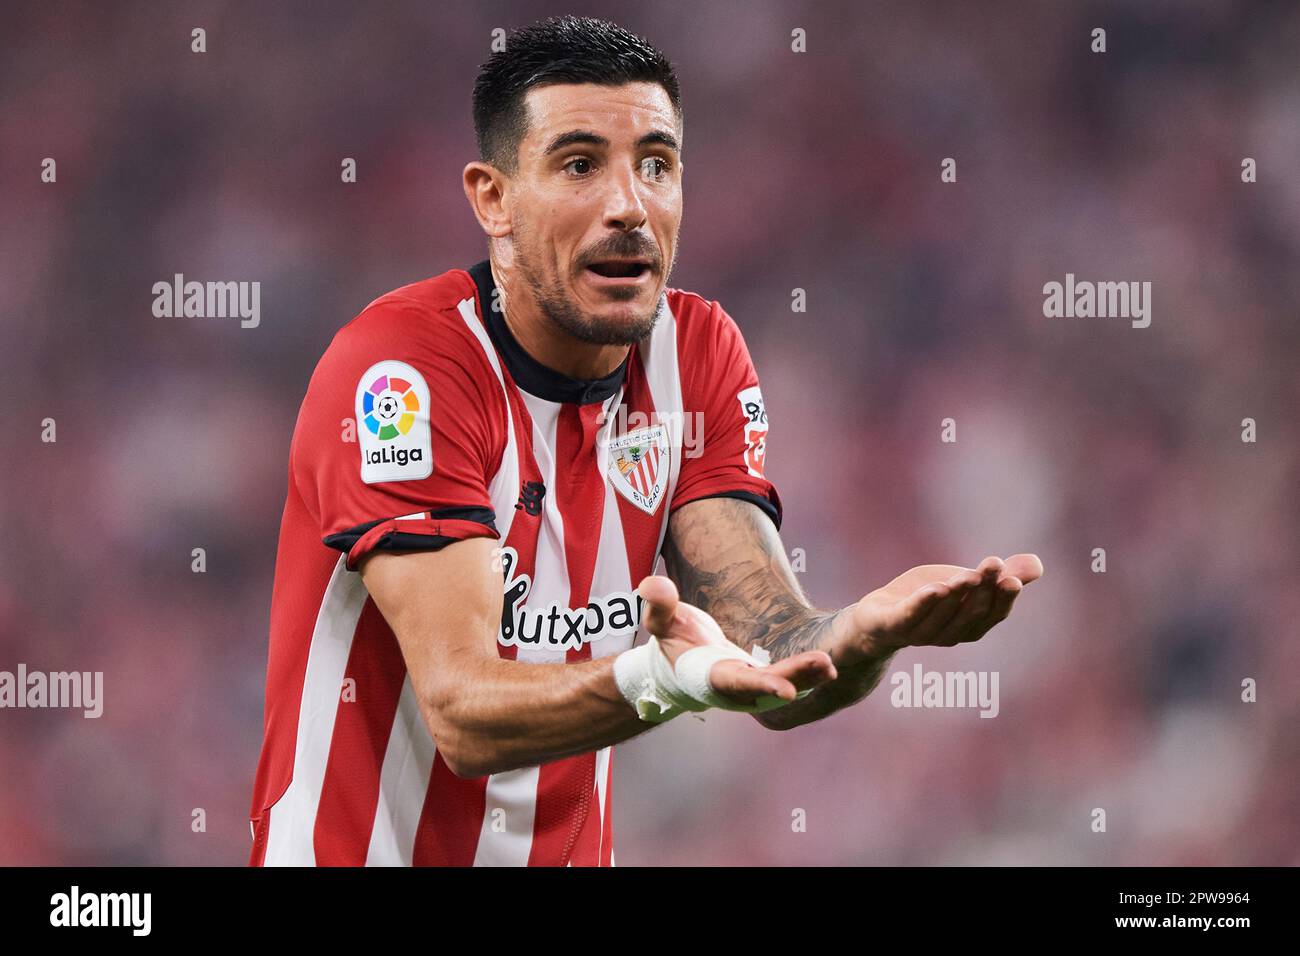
(638, 466)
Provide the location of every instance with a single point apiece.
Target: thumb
(660, 595)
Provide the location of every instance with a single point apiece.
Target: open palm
(935, 604)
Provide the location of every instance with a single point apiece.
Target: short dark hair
(557, 50)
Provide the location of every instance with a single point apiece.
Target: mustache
(624, 250)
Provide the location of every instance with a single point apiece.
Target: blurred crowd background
(821, 171)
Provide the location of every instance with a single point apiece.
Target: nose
(623, 207)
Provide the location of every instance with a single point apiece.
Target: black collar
(529, 374)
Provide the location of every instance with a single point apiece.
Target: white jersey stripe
(511, 807)
(293, 820)
(405, 775)
(602, 771)
(664, 380)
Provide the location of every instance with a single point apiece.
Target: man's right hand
(680, 626)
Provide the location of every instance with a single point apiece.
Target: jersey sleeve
(399, 436)
(725, 456)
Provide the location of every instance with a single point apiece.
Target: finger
(1026, 567)
(1009, 589)
(1003, 597)
(660, 595)
(929, 629)
(910, 611)
(975, 609)
(744, 683)
(805, 670)
(972, 620)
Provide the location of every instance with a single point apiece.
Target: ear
(486, 190)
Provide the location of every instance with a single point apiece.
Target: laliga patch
(393, 424)
(638, 466)
(751, 402)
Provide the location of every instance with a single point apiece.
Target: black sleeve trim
(344, 540)
(410, 541)
(406, 541)
(762, 503)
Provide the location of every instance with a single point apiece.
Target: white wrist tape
(648, 683)
(660, 692)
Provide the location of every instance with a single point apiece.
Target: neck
(549, 345)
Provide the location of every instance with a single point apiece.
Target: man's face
(596, 206)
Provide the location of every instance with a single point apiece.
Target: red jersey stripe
(350, 791)
(451, 818)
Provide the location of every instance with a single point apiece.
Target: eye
(579, 159)
(650, 171)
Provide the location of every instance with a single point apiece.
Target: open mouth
(620, 270)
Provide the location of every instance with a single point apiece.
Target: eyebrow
(595, 139)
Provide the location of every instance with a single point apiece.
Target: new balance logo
(530, 498)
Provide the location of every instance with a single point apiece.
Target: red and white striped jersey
(425, 422)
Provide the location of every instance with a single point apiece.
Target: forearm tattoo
(727, 558)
